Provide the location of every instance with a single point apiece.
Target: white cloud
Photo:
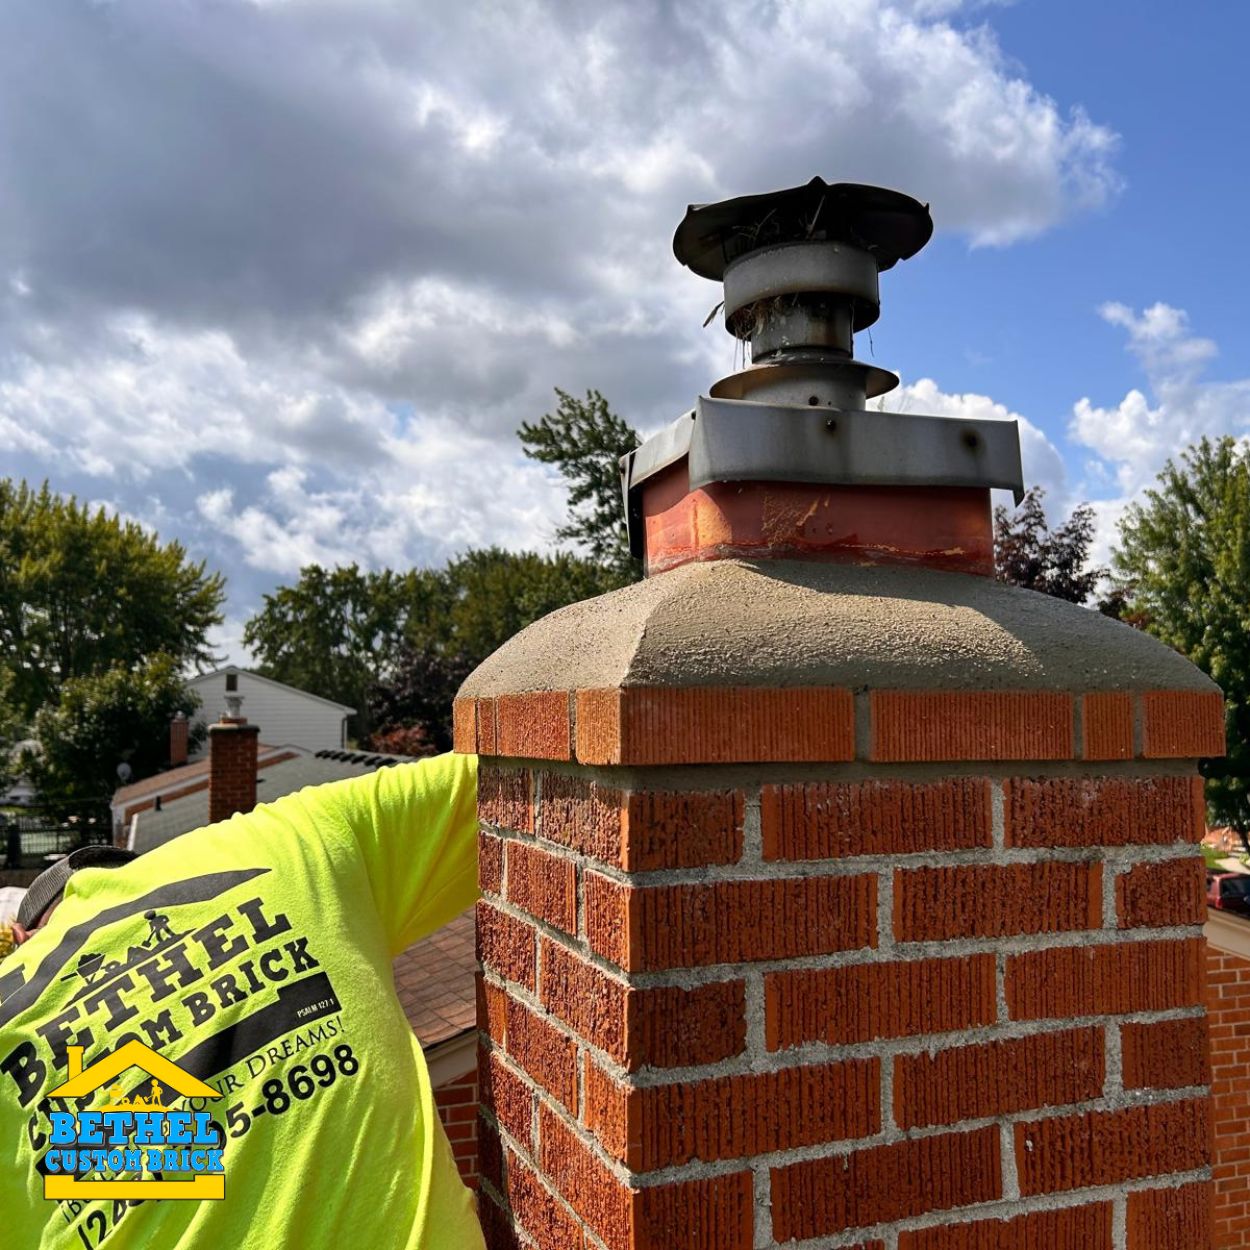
(1131, 440)
(301, 279)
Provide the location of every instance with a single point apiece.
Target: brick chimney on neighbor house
(179, 729)
(232, 754)
(834, 892)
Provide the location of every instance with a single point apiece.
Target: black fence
(29, 841)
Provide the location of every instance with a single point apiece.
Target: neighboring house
(153, 812)
(435, 981)
(1228, 1003)
(287, 714)
(21, 792)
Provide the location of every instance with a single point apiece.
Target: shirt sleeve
(415, 827)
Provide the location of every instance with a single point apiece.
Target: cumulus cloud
(296, 269)
(1132, 439)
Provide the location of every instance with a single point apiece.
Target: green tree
(492, 594)
(1028, 553)
(1182, 569)
(335, 630)
(103, 720)
(83, 592)
(482, 599)
(585, 439)
(12, 728)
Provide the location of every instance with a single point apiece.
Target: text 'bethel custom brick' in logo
(106, 1153)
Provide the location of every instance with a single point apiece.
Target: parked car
(1229, 891)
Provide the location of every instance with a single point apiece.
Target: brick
(686, 926)
(497, 1227)
(464, 727)
(487, 742)
(506, 945)
(1171, 1054)
(492, 1009)
(1182, 724)
(534, 725)
(545, 1220)
(885, 1183)
(543, 885)
(1072, 1228)
(1107, 722)
(489, 863)
(578, 813)
(503, 798)
(490, 1154)
(712, 1214)
(682, 830)
(1103, 811)
(1105, 980)
(715, 725)
(664, 1027)
(966, 725)
(1110, 1147)
(642, 831)
(1156, 895)
(1171, 1219)
(991, 900)
(508, 1098)
(834, 820)
(543, 1052)
(997, 1078)
(583, 1181)
(867, 1001)
(732, 1117)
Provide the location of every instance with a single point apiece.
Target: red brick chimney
(831, 896)
(178, 740)
(232, 751)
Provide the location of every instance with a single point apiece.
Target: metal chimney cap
(889, 225)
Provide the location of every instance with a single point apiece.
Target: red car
(1229, 891)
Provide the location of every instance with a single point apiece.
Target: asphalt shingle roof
(179, 816)
(434, 979)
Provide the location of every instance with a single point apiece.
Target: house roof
(435, 981)
(176, 778)
(269, 681)
(283, 776)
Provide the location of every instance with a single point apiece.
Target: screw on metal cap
(48, 886)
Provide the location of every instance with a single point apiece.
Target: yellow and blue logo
(100, 1153)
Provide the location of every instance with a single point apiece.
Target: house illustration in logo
(167, 1080)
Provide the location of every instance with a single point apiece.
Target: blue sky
(280, 278)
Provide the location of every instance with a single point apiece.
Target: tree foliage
(83, 592)
(12, 726)
(396, 646)
(103, 720)
(336, 629)
(585, 439)
(1183, 568)
(1028, 553)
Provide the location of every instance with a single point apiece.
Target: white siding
(285, 715)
